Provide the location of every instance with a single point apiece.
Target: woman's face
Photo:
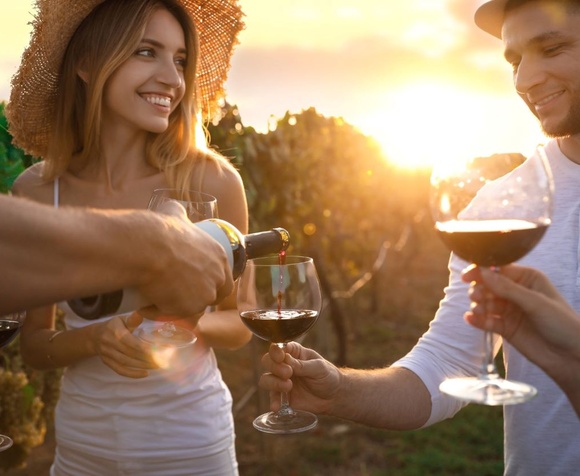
(147, 88)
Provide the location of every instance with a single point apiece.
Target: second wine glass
(198, 206)
(10, 325)
(491, 218)
(279, 300)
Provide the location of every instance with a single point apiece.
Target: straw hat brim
(34, 85)
(490, 16)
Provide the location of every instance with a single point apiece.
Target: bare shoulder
(223, 179)
(225, 183)
(31, 184)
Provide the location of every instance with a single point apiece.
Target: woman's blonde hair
(106, 39)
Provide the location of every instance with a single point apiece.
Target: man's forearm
(48, 254)
(390, 398)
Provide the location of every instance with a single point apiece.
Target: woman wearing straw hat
(110, 95)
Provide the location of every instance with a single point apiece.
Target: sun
(423, 123)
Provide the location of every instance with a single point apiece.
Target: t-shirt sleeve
(450, 347)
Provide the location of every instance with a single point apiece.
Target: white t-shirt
(542, 436)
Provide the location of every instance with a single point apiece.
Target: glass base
(5, 442)
(158, 335)
(488, 391)
(295, 422)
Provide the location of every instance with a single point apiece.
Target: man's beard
(569, 126)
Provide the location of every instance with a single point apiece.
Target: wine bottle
(239, 248)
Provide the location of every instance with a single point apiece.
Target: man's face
(542, 43)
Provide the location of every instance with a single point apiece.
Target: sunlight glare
(431, 122)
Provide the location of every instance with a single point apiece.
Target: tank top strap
(56, 192)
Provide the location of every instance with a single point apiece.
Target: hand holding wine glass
(279, 300)
(491, 219)
(10, 325)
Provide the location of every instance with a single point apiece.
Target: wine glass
(491, 218)
(10, 325)
(279, 300)
(198, 206)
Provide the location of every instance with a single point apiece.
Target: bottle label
(215, 231)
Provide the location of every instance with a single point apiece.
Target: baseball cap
(489, 17)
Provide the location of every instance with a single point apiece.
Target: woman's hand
(119, 349)
(522, 306)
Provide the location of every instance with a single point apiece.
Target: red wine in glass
(279, 326)
(279, 299)
(8, 331)
(10, 325)
(491, 217)
(491, 242)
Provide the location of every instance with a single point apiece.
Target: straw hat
(34, 85)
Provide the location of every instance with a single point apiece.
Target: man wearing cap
(542, 436)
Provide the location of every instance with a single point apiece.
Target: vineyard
(366, 223)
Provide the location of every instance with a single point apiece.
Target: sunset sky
(415, 74)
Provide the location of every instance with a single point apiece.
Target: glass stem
(489, 370)
(285, 409)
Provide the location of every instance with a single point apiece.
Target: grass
(410, 289)
(469, 444)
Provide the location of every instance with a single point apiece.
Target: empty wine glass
(10, 325)
(491, 218)
(198, 206)
(279, 300)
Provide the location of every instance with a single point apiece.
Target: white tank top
(183, 411)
